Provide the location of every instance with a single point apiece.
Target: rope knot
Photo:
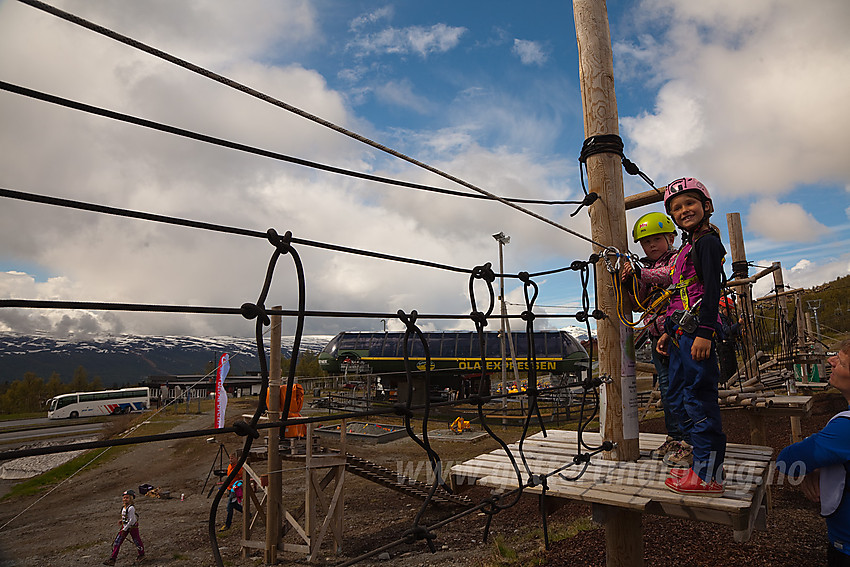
(524, 277)
(588, 200)
(243, 429)
(479, 318)
(598, 314)
(581, 316)
(528, 316)
(578, 265)
(537, 480)
(282, 243)
(581, 458)
(484, 272)
(409, 321)
(416, 533)
(254, 311)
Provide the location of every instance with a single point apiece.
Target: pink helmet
(684, 185)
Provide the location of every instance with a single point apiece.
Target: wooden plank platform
(637, 486)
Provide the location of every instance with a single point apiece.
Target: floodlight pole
(502, 240)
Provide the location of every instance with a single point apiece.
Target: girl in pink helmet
(689, 338)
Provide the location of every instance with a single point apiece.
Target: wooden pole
(607, 215)
(623, 530)
(744, 290)
(782, 321)
(801, 332)
(275, 489)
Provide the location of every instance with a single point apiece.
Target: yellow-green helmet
(651, 224)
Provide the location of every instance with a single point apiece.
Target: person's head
(726, 305)
(655, 232)
(128, 497)
(234, 458)
(840, 377)
(688, 202)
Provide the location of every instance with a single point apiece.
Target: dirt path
(75, 524)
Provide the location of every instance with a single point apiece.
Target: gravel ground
(74, 524)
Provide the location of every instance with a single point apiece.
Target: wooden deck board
(637, 486)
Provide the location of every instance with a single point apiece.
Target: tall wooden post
(799, 315)
(275, 491)
(624, 533)
(782, 321)
(745, 298)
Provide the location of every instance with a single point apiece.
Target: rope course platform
(636, 486)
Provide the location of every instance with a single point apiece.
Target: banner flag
(220, 394)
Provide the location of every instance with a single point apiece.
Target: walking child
(234, 492)
(690, 331)
(656, 232)
(129, 525)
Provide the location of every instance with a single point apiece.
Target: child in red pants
(129, 525)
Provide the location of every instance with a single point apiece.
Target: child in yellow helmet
(655, 232)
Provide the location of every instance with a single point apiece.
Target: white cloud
(801, 265)
(400, 93)
(363, 20)
(757, 81)
(530, 52)
(786, 222)
(419, 40)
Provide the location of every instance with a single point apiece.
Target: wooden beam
(645, 198)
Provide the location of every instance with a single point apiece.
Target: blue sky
(748, 97)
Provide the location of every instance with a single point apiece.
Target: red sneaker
(692, 484)
(678, 473)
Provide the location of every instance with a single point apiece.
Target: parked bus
(105, 402)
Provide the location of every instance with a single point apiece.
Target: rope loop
(244, 429)
(282, 243)
(254, 311)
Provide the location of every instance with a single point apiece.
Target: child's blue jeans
(693, 396)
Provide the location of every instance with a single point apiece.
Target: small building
(172, 387)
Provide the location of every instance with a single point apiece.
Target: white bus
(106, 402)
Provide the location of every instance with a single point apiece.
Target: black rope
(417, 531)
(606, 144)
(282, 245)
(177, 221)
(130, 119)
(280, 104)
(194, 309)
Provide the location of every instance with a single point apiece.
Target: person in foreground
(823, 462)
(690, 331)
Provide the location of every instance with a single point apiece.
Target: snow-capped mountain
(579, 333)
(127, 359)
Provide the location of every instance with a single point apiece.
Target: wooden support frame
(321, 514)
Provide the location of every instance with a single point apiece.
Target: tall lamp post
(502, 240)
